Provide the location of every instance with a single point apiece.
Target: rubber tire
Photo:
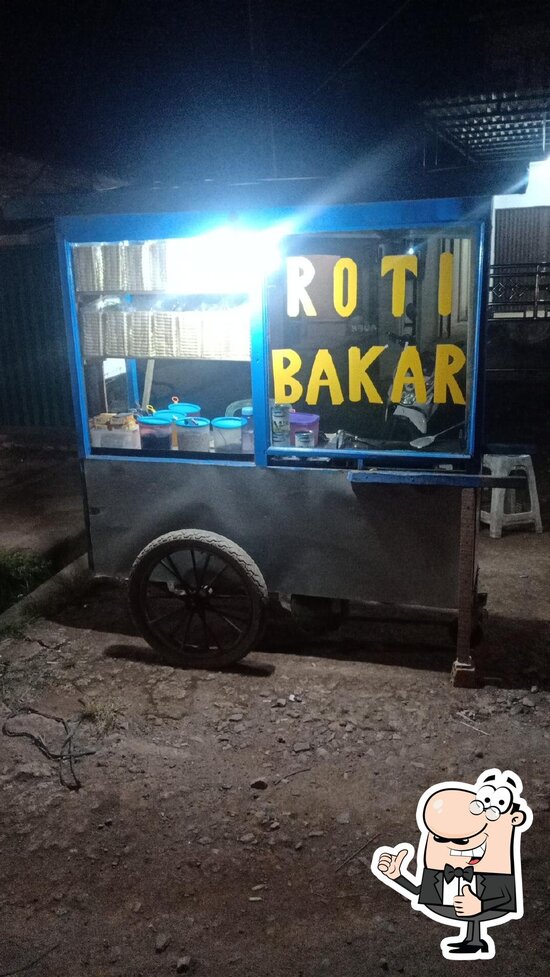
(226, 550)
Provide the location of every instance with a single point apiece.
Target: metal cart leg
(464, 669)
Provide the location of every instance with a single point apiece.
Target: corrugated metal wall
(35, 388)
(522, 234)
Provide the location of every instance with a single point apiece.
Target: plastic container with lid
(167, 416)
(114, 431)
(304, 422)
(155, 431)
(193, 433)
(228, 433)
(187, 410)
(248, 429)
(177, 410)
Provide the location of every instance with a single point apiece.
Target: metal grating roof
(493, 127)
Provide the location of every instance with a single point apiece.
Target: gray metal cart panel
(310, 532)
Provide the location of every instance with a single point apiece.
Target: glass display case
(155, 337)
(372, 340)
(366, 339)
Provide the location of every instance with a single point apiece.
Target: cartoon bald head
(473, 827)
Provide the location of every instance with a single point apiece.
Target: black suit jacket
(497, 892)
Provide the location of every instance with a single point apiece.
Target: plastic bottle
(280, 425)
(248, 431)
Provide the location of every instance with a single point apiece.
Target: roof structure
(483, 181)
(24, 178)
(489, 128)
(21, 175)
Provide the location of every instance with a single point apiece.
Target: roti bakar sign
(289, 381)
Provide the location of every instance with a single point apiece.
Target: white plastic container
(193, 433)
(116, 439)
(228, 433)
(114, 431)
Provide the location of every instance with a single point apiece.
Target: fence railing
(519, 291)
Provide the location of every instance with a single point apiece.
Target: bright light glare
(539, 180)
(410, 250)
(226, 261)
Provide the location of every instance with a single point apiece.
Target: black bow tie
(451, 873)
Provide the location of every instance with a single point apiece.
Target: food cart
(280, 400)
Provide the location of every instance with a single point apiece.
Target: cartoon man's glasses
(492, 802)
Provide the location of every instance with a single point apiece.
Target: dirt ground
(168, 851)
(41, 503)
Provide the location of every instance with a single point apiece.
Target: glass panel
(165, 326)
(371, 341)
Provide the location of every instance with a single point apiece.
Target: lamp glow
(539, 180)
(226, 261)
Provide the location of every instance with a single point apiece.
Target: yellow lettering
(449, 360)
(286, 388)
(445, 291)
(300, 273)
(323, 374)
(359, 379)
(345, 268)
(400, 264)
(409, 370)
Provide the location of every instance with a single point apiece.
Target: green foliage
(20, 573)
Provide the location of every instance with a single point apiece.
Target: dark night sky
(167, 89)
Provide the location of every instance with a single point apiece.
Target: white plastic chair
(236, 407)
(496, 518)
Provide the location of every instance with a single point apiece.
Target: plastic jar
(304, 422)
(186, 410)
(248, 429)
(280, 425)
(173, 412)
(193, 433)
(228, 433)
(114, 431)
(155, 432)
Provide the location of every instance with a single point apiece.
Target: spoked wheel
(197, 598)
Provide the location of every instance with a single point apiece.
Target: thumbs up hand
(467, 904)
(390, 864)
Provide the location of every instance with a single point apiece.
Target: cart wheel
(197, 598)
